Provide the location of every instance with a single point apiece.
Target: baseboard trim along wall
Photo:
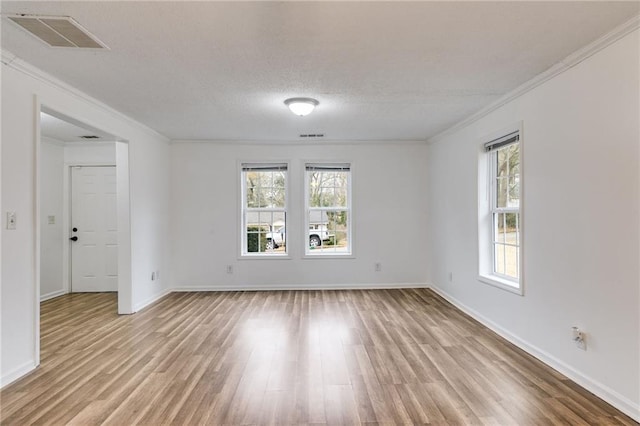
(281, 287)
(186, 289)
(607, 394)
(17, 373)
(53, 295)
(141, 305)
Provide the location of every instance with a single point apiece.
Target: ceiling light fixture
(301, 106)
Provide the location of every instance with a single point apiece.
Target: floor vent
(58, 31)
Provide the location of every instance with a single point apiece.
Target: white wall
(581, 203)
(23, 88)
(51, 184)
(389, 209)
(87, 153)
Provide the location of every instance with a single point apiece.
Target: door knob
(74, 238)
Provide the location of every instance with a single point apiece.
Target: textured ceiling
(381, 70)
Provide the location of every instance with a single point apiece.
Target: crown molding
(11, 60)
(567, 63)
(311, 142)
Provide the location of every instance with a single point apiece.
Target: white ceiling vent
(58, 31)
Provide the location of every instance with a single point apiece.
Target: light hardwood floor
(287, 357)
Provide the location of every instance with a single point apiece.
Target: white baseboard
(627, 406)
(141, 305)
(17, 373)
(53, 295)
(279, 287)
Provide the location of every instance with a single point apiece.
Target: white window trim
(242, 253)
(485, 216)
(306, 209)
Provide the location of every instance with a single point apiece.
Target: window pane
(318, 229)
(251, 190)
(328, 231)
(498, 228)
(256, 239)
(501, 163)
(327, 189)
(506, 251)
(314, 189)
(277, 193)
(513, 195)
(499, 259)
(326, 197)
(511, 259)
(501, 191)
(265, 189)
(264, 220)
(318, 219)
(341, 197)
(514, 159)
(509, 225)
(277, 237)
(341, 241)
(278, 220)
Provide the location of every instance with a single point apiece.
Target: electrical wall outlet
(51, 220)
(153, 276)
(579, 338)
(377, 267)
(11, 221)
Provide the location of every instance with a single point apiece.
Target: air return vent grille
(312, 135)
(89, 137)
(58, 31)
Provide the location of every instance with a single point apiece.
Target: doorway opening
(83, 239)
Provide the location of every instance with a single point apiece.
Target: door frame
(67, 200)
(125, 284)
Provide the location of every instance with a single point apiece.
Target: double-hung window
(264, 209)
(503, 222)
(328, 209)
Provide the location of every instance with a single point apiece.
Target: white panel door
(94, 230)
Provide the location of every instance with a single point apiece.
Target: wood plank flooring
(287, 357)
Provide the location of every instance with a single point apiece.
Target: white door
(94, 230)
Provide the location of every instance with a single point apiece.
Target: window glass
(264, 208)
(328, 216)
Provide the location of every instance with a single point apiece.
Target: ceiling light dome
(301, 106)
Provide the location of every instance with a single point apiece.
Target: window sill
(510, 286)
(329, 256)
(264, 257)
